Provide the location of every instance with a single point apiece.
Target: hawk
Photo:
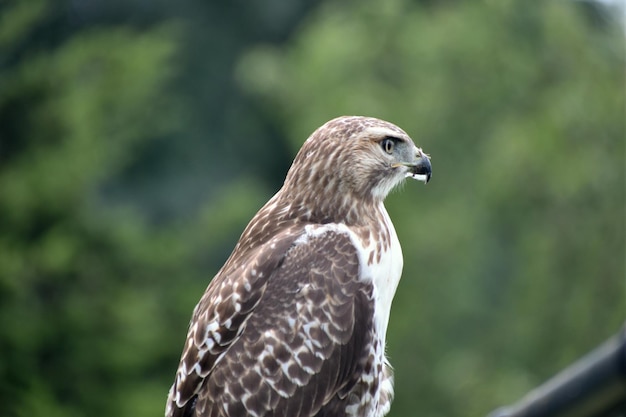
(294, 323)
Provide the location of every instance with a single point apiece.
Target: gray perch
(594, 386)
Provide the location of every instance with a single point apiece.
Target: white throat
(384, 272)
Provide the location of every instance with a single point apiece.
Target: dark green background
(137, 138)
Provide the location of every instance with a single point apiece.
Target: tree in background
(136, 142)
(79, 325)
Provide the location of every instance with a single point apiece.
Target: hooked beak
(420, 169)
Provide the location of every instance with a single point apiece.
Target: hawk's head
(358, 158)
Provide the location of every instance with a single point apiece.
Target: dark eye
(387, 145)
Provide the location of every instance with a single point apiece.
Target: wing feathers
(219, 318)
(286, 341)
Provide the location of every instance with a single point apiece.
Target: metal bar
(594, 386)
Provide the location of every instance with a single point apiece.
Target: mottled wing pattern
(220, 317)
(304, 345)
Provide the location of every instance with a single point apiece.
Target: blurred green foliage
(135, 144)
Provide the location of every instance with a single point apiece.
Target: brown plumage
(294, 323)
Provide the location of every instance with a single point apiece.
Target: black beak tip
(424, 168)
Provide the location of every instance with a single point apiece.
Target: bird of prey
(294, 323)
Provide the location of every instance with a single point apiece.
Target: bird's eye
(387, 145)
